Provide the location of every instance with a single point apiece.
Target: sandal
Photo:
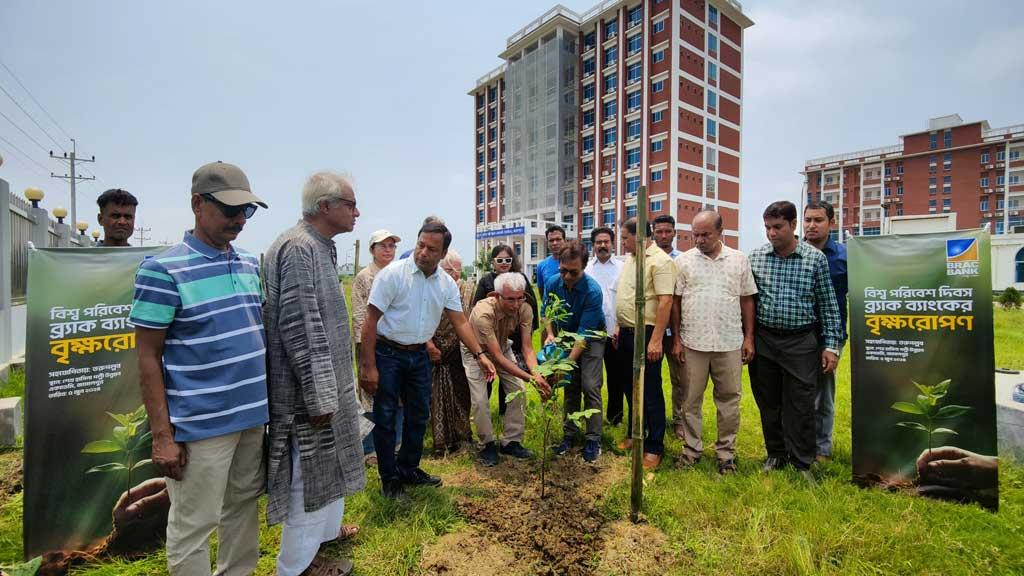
(327, 566)
(347, 532)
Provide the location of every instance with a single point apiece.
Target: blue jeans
(368, 447)
(404, 376)
(825, 413)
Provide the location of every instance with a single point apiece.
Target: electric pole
(355, 270)
(73, 178)
(141, 235)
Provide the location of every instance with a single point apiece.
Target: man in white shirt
(713, 315)
(605, 270)
(405, 307)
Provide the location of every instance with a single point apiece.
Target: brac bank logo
(962, 257)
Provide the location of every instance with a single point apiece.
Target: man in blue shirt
(548, 267)
(819, 218)
(583, 298)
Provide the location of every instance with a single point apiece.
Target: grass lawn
(750, 523)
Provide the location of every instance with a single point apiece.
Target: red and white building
(639, 93)
(954, 175)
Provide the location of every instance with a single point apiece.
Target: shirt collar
(316, 233)
(414, 269)
(205, 249)
(723, 252)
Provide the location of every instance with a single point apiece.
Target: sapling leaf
(944, 431)
(941, 388)
(914, 425)
(122, 419)
(141, 463)
(908, 408)
(101, 447)
(952, 411)
(927, 390)
(513, 395)
(108, 467)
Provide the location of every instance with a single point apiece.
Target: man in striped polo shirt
(199, 331)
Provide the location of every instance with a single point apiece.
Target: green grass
(751, 523)
(15, 385)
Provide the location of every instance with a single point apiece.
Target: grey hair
(324, 185)
(514, 281)
(451, 256)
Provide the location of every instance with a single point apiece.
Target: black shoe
(774, 463)
(726, 467)
(562, 448)
(516, 450)
(420, 478)
(489, 455)
(392, 489)
(591, 450)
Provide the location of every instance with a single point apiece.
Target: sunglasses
(231, 211)
(502, 260)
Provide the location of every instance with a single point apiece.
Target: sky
(379, 90)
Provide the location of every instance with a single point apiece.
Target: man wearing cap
(202, 366)
(404, 310)
(382, 247)
(315, 456)
(116, 217)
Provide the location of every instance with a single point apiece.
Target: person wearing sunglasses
(503, 259)
(203, 373)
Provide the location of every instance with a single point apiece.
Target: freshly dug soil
(512, 527)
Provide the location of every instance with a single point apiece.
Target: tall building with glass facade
(627, 94)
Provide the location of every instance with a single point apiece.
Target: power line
(30, 117)
(29, 92)
(27, 165)
(22, 152)
(27, 135)
(73, 179)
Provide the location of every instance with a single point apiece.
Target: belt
(397, 346)
(789, 331)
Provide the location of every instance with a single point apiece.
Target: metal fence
(21, 234)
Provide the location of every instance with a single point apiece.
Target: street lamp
(34, 195)
(60, 214)
(82, 227)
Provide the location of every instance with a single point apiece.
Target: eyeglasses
(231, 211)
(502, 260)
(350, 203)
(569, 272)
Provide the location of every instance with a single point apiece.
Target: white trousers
(303, 531)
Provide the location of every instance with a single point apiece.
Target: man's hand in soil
(148, 499)
(542, 386)
(957, 468)
(169, 456)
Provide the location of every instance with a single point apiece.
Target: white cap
(382, 235)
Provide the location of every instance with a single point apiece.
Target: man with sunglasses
(582, 295)
(202, 364)
(494, 320)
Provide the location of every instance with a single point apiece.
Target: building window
(632, 158)
(610, 82)
(985, 157)
(1019, 265)
(709, 186)
(1000, 155)
(659, 26)
(610, 54)
(479, 158)
(933, 141)
(947, 203)
(712, 72)
(888, 191)
(631, 211)
(533, 250)
(635, 15)
(633, 73)
(828, 179)
(656, 116)
(899, 169)
(984, 205)
(947, 180)
(588, 118)
(658, 86)
(610, 164)
(480, 197)
(493, 192)
(480, 139)
(999, 204)
(633, 129)
(712, 100)
(657, 146)
(872, 231)
(611, 28)
(633, 101)
(588, 92)
(931, 204)
(480, 177)
(947, 161)
(899, 190)
(480, 216)
(1014, 179)
(609, 109)
(589, 39)
(612, 189)
(632, 185)
(947, 138)
(888, 170)
(659, 56)
(634, 44)
(588, 221)
(713, 16)
(608, 217)
(480, 100)
(656, 206)
(711, 159)
(587, 172)
(1014, 155)
(656, 176)
(588, 67)
(588, 144)
(610, 135)
(712, 128)
(1000, 180)
(984, 182)
(712, 43)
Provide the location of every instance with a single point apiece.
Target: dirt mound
(470, 554)
(635, 549)
(561, 534)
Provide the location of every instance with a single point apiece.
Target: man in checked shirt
(795, 304)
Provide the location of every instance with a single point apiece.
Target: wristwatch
(477, 355)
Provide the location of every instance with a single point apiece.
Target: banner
(923, 366)
(87, 445)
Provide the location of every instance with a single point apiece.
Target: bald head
(707, 232)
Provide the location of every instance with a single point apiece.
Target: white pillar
(860, 221)
(839, 214)
(5, 274)
(1006, 189)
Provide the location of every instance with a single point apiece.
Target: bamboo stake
(639, 359)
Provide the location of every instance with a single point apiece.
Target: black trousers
(654, 396)
(616, 386)
(784, 379)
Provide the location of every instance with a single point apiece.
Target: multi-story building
(962, 174)
(590, 107)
